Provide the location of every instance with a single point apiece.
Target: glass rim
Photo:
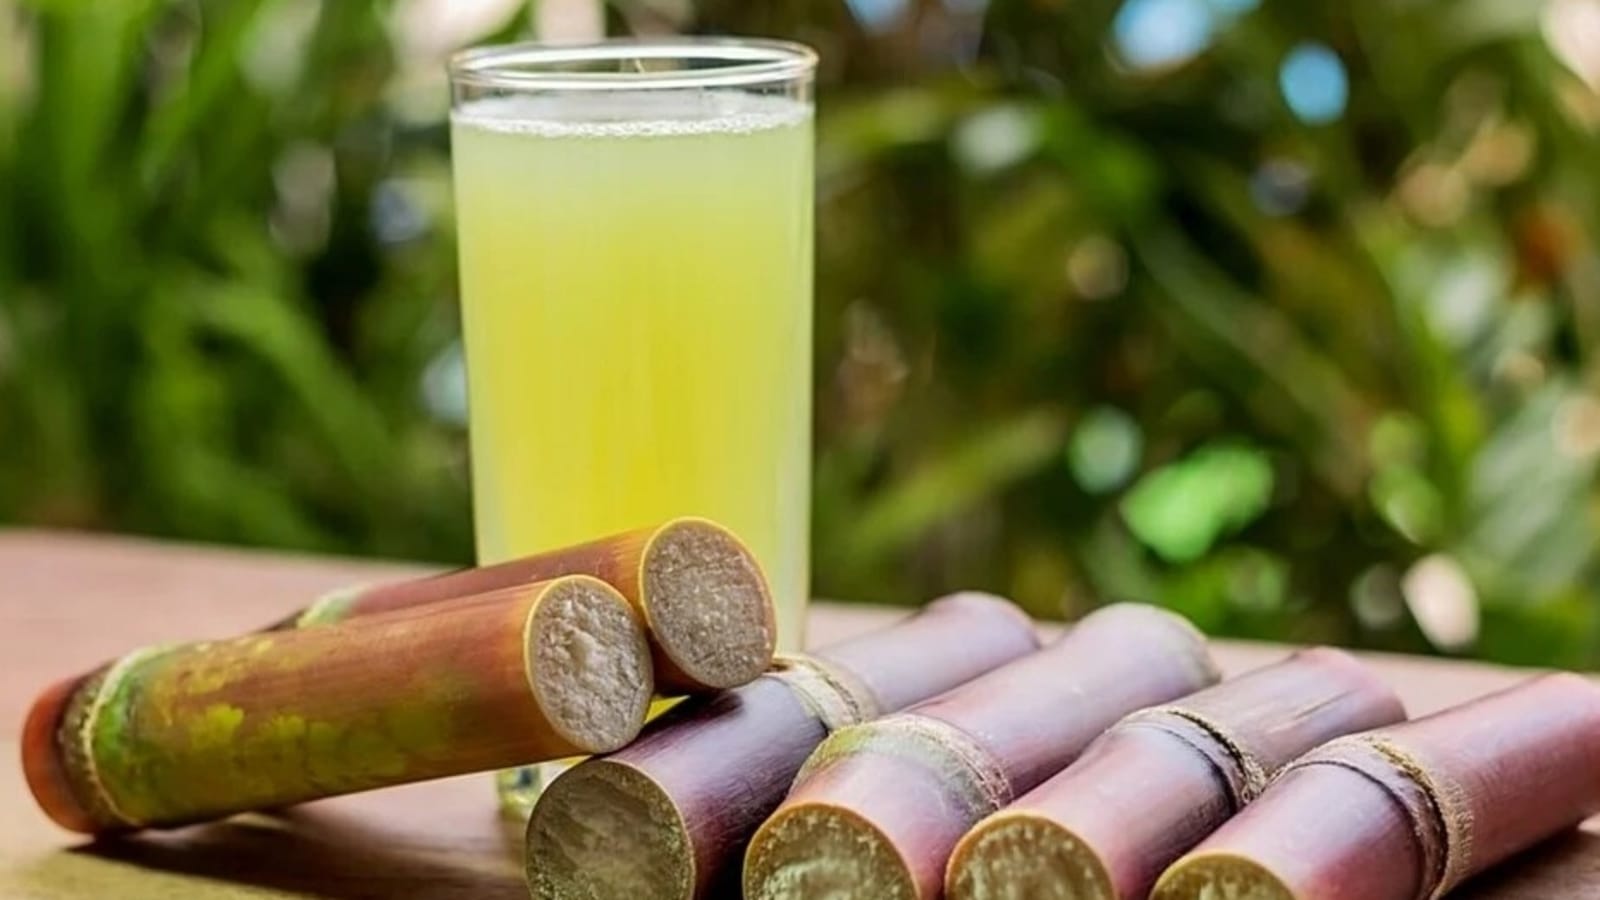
(532, 65)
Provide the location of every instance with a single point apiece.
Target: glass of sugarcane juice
(635, 228)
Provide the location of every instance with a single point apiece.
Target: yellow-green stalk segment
(171, 735)
(1162, 779)
(878, 808)
(1411, 811)
(703, 597)
(668, 816)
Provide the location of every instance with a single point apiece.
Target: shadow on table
(320, 853)
(1563, 867)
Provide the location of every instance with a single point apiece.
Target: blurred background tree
(1281, 314)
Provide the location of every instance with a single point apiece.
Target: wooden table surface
(68, 602)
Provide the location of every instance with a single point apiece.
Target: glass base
(519, 788)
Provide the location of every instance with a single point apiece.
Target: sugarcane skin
(622, 560)
(329, 609)
(616, 559)
(268, 757)
(172, 735)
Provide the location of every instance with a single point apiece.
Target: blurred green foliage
(202, 333)
(1281, 314)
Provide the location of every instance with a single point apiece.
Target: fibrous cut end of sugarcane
(1023, 856)
(818, 850)
(588, 664)
(1220, 876)
(708, 604)
(605, 830)
(53, 762)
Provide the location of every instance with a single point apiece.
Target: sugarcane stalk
(1161, 780)
(877, 808)
(668, 816)
(1410, 812)
(171, 735)
(689, 579)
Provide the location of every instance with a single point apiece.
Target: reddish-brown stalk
(667, 816)
(703, 598)
(877, 808)
(1409, 812)
(1161, 780)
(170, 735)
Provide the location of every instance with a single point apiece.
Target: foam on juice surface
(611, 114)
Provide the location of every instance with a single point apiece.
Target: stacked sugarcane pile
(948, 754)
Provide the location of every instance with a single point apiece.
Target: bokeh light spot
(1097, 268)
(1183, 508)
(1435, 195)
(1577, 427)
(1155, 34)
(1572, 29)
(1105, 449)
(995, 138)
(1280, 187)
(1376, 599)
(1443, 601)
(444, 386)
(1314, 83)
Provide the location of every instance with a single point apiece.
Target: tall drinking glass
(635, 226)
